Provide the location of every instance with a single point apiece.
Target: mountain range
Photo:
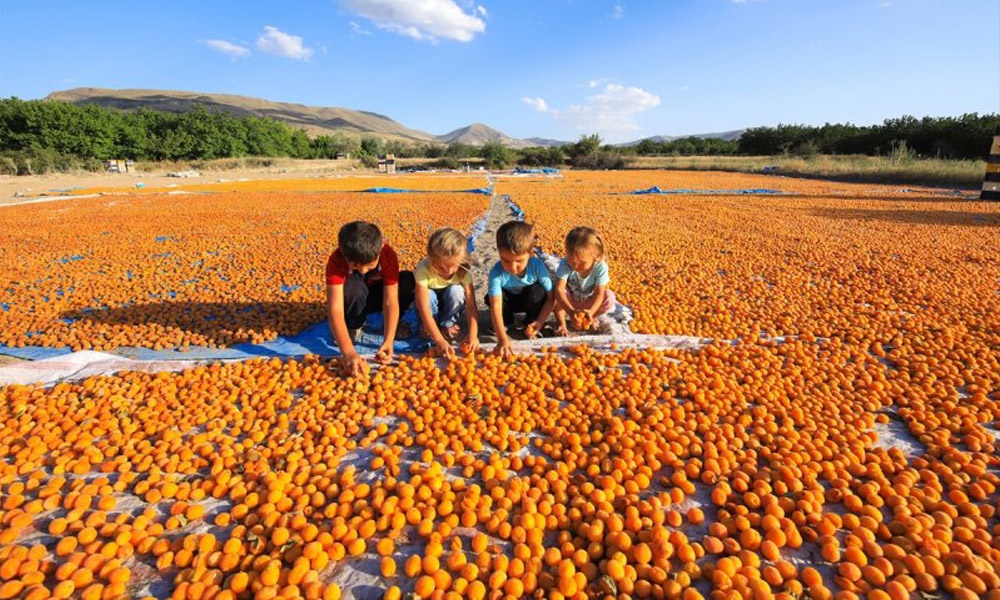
(314, 120)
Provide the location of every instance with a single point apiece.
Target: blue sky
(546, 68)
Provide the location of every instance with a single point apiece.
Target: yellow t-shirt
(426, 276)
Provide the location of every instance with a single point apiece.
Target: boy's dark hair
(516, 236)
(360, 242)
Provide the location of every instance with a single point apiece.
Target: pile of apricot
(749, 469)
(173, 271)
(424, 182)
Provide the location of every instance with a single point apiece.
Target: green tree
(460, 150)
(496, 155)
(300, 145)
(585, 146)
(372, 146)
(328, 146)
(648, 147)
(540, 157)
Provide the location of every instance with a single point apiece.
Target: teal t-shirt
(535, 272)
(582, 288)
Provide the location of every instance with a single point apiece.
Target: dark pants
(528, 300)
(362, 299)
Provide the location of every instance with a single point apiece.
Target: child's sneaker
(356, 334)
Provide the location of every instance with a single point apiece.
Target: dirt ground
(27, 188)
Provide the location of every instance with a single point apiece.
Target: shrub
(601, 160)
(38, 161)
(446, 162)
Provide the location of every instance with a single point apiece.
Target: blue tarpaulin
(387, 190)
(477, 230)
(543, 170)
(657, 190)
(315, 339)
(518, 213)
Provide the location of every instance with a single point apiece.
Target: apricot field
(423, 182)
(835, 438)
(165, 271)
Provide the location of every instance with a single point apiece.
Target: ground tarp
(657, 190)
(389, 190)
(315, 339)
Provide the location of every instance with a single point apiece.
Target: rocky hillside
(315, 120)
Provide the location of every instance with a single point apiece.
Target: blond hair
(517, 237)
(581, 238)
(449, 243)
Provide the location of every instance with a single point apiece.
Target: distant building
(342, 156)
(386, 163)
(119, 165)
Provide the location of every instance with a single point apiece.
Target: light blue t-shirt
(535, 271)
(581, 288)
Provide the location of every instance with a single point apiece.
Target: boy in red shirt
(363, 277)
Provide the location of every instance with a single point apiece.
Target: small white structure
(119, 165)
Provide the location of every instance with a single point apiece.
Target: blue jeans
(447, 304)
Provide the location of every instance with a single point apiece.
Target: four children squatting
(363, 277)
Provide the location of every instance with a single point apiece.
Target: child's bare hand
(451, 332)
(503, 350)
(385, 354)
(352, 365)
(562, 330)
(469, 345)
(445, 350)
(533, 330)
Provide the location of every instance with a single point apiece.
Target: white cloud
(619, 11)
(885, 5)
(427, 20)
(538, 104)
(481, 11)
(228, 48)
(612, 112)
(359, 29)
(277, 42)
(685, 88)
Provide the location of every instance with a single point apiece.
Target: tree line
(966, 137)
(40, 135)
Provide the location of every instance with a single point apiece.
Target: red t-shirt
(387, 270)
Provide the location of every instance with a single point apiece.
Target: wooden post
(991, 181)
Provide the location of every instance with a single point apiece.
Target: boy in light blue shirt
(518, 283)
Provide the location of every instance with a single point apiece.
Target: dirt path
(484, 256)
(27, 188)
